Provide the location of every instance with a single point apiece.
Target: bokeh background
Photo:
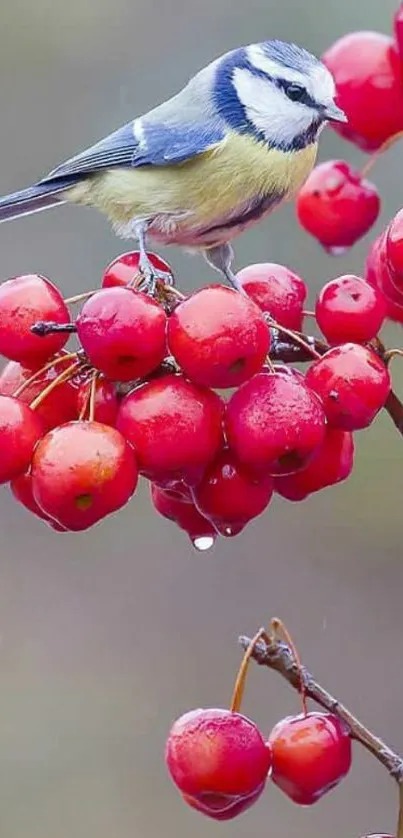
(107, 636)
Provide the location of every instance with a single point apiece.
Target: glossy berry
(25, 300)
(125, 268)
(175, 427)
(276, 290)
(21, 488)
(106, 402)
(378, 273)
(61, 403)
(353, 383)
(366, 67)
(20, 430)
(218, 337)
(81, 472)
(201, 531)
(217, 757)
(177, 490)
(123, 333)
(332, 464)
(311, 754)
(229, 810)
(336, 206)
(394, 251)
(350, 309)
(229, 496)
(275, 423)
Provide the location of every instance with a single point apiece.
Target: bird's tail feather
(34, 199)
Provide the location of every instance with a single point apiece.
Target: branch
(394, 408)
(277, 655)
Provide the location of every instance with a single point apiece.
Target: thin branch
(394, 408)
(288, 351)
(277, 655)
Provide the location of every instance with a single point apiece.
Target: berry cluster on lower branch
(221, 762)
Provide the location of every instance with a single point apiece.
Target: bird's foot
(150, 278)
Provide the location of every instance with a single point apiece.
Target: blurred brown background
(106, 637)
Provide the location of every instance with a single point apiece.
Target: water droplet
(337, 251)
(203, 543)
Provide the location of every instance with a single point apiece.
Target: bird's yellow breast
(203, 191)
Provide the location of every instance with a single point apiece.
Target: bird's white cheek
(269, 110)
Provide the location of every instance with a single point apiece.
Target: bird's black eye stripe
(297, 92)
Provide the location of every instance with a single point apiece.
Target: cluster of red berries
(221, 762)
(185, 392)
(338, 205)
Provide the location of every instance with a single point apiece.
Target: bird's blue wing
(142, 143)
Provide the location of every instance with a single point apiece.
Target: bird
(196, 171)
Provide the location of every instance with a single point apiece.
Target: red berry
(275, 423)
(81, 472)
(177, 490)
(125, 268)
(353, 383)
(106, 401)
(218, 337)
(332, 463)
(229, 496)
(379, 274)
(61, 403)
(367, 71)
(349, 309)
(311, 754)
(277, 290)
(229, 810)
(217, 756)
(20, 430)
(123, 333)
(175, 427)
(23, 301)
(394, 251)
(337, 206)
(185, 515)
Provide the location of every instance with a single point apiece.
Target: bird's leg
(151, 275)
(220, 258)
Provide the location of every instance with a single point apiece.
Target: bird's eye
(295, 92)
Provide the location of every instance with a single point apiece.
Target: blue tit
(196, 171)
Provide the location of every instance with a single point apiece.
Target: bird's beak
(334, 114)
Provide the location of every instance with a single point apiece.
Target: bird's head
(277, 91)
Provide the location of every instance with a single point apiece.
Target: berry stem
(84, 408)
(40, 372)
(64, 376)
(78, 298)
(270, 364)
(308, 313)
(279, 628)
(391, 353)
(381, 150)
(239, 687)
(93, 392)
(278, 656)
(47, 327)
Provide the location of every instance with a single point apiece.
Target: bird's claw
(151, 277)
